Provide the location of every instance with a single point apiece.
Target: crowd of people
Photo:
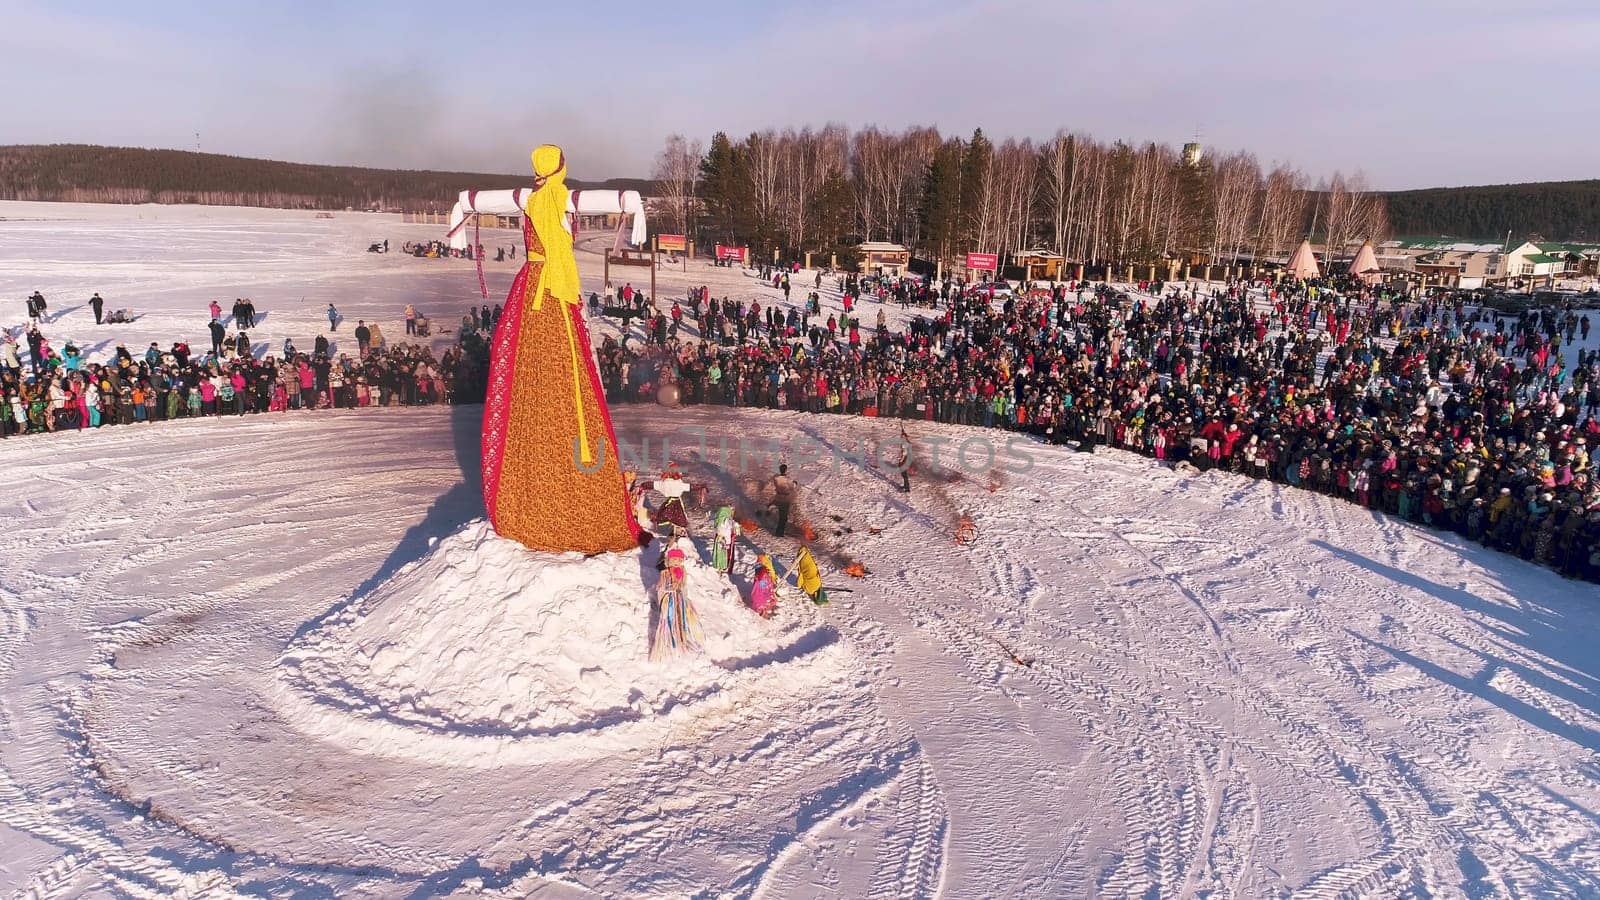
(432, 250)
(1424, 407)
(55, 390)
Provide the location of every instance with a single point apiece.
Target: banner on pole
(672, 242)
(726, 252)
(988, 262)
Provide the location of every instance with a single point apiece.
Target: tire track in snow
(1470, 779)
(910, 860)
(1318, 750)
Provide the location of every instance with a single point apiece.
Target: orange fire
(807, 532)
(749, 526)
(967, 531)
(856, 569)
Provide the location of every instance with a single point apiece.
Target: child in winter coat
(91, 406)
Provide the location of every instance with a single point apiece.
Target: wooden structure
(639, 258)
(883, 258)
(1039, 265)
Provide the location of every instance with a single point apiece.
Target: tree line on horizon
(94, 174)
(1549, 210)
(826, 189)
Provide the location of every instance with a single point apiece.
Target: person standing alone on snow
(333, 318)
(98, 304)
(782, 497)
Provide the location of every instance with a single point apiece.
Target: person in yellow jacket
(1500, 506)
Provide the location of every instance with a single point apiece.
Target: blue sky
(1414, 93)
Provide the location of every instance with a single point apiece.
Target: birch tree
(677, 175)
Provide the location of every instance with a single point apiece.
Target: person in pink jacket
(240, 389)
(208, 397)
(308, 385)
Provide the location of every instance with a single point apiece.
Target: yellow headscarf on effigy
(547, 211)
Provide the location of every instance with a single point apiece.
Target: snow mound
(484, 649)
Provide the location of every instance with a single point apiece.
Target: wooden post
(808, 259)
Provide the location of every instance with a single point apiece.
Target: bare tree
(1369, 214)
(677, 174)
(1235, 184)
(1015, 174)
(1283, 211)
(763, 155)
(1058, 174)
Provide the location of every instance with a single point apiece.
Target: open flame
(856, 569)
(807, 532)
(967, 531)
(749, 526)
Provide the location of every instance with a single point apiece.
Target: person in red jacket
(1230, 440)
(1213, 432)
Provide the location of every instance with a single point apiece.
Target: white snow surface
(483, 652)
(230, 655)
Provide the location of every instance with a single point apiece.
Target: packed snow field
(235, 654)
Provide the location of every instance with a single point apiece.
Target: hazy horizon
(1421, 95)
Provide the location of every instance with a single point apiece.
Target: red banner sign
(672, 242)
(726, 252)
(983, 261)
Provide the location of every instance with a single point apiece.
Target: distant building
(1039, 265)
(883, 258)
(1444, 261)
(1551, 260)
(1192, 153)
(1470, 264)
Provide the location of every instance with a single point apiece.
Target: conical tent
(1365, 265)
(1304, 263)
